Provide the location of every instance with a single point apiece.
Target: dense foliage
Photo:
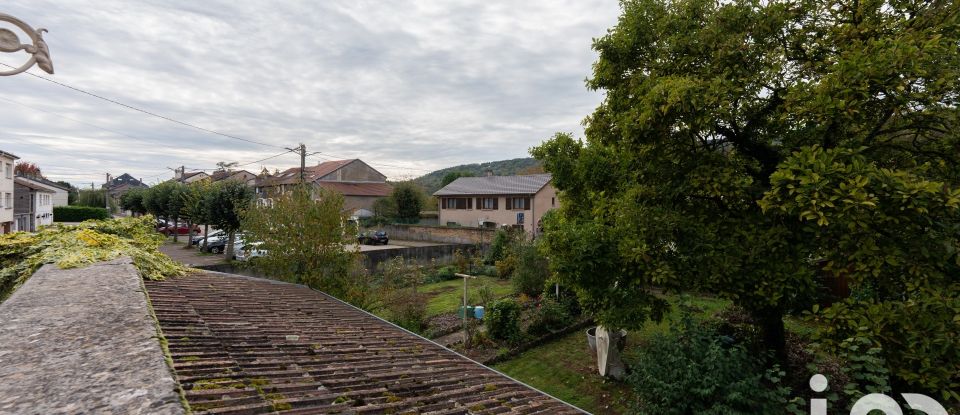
(78, 213)
(228, 199)
(739, 143)
(91, 198)
(408, 199)
(531, 270)
(693, 370)
(132, 200)
(307, 241)
(76, 246)
(503, 320)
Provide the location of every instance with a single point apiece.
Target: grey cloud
(420, 84)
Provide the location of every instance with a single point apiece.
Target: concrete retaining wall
(452, 235)
(440, 254)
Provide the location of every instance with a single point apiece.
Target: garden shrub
(499, 247)
(486, 296)
(441, 274)
(917, 339)
(695, 371)
(505, 267)
(548, 316)
(503, 320)
(408, 309)
(532, 270)
(488, 270)
(78, 213)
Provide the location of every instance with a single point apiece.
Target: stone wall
(449, 235)
(83, 340)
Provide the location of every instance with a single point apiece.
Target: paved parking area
(190, 257)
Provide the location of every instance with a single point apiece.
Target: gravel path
(83, 341)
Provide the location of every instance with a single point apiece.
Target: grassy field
(446, 296)
(566, 369)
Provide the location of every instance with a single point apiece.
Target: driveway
(191, 257)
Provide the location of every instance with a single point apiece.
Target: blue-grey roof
(495, 185)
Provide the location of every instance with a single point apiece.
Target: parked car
(373, 238)
(181, 229)
(198, 240)
(218, 245)
(250, 251)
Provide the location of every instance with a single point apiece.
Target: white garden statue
(609, 346)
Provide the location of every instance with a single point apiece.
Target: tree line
(218, 204)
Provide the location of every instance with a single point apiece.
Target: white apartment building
(6, 191)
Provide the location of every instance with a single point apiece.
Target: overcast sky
(408, 86)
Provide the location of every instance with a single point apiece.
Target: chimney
(488, 172)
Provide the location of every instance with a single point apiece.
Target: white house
(33, 204)
(6, 191)
(61, 194)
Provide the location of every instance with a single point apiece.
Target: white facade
(6, 191)
(33, 205)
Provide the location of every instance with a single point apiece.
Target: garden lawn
(565, 368)
(447, 296)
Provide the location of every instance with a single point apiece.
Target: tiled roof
(311, 173)
(245, 346)
(33, 184)
(495, 185)
(223, 174)
(357, 189)
(185, 176)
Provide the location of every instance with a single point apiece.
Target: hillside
(431, 181)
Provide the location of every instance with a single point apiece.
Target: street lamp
(10, 43)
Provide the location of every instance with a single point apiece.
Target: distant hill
(431, 181)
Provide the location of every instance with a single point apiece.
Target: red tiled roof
(357, 189)
(246, 346)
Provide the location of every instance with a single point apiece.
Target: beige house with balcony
(6, 191)
(496, 201)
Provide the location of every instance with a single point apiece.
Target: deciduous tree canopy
(748, 148)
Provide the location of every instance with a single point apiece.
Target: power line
(173, 120)
(265, 159)
(75, 120)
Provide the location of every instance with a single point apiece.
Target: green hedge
(78, 213)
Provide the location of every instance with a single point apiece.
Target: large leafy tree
(307, 241)
(408, 198)
(132, 200)
(175, 205)
(749, 147)
(196, 197)
(157, 199)
(226, 203)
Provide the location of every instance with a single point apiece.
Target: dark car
(180, 230)
(373, 238)
(218, 245)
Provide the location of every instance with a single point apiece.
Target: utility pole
(303, 161)
(106, 193)
(302, 149)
